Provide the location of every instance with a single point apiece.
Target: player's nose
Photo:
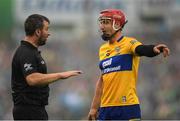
(101, 26)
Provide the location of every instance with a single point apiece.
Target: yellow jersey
(119, 65)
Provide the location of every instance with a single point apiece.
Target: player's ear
(37, 32)
(117, 26)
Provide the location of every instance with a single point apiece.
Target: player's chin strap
(106, 37)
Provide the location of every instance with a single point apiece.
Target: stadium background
(74, 44)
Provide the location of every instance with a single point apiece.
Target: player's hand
(92, 114)
(162, 48)
(68, 74)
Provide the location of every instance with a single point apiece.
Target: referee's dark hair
(33, 22)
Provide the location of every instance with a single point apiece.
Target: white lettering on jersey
(42, 62)
(107, 63)
(107, 70)
(28, 67)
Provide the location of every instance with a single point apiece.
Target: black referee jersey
(27, 60)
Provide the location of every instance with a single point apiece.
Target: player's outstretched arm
(35, 79)
(152, 50)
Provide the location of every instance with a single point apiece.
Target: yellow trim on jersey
(135, 119)
(119, 66)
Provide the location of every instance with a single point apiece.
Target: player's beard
(105, 37)
(41, 41)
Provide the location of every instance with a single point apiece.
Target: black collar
(25, 43)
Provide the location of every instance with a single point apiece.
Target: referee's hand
(67, 74)
(162, 48)
(92, 114)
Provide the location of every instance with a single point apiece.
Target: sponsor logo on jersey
(28, 67)
(116, 63)
(42, 62)
(112, 69)
(117, 49)
(107, 63)
(133, 41)
(124, 99)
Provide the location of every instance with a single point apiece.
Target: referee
(29, 79)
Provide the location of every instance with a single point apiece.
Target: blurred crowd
(158, 81)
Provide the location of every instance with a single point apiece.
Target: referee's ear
(37, 32)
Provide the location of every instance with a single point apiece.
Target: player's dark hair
(33, 22)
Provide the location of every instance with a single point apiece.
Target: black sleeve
(145, 50)
(28, 63)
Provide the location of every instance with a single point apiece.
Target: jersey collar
(28, 44)
(120, 38)
(116, 41)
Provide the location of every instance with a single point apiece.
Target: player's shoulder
(103, 46)
(131, 40)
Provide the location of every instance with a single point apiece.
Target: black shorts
(29, 112)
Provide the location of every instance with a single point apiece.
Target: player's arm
(36, 78)
(152, 50)
(96, 100)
